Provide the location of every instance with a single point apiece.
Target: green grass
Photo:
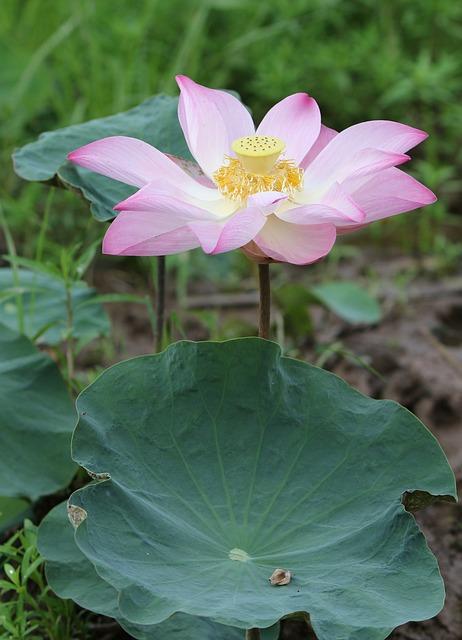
(28, 609)
(66, 62)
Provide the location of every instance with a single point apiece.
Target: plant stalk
(160, 302)
(265, 300)
(252, 634)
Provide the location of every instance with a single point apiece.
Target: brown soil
(419, 354)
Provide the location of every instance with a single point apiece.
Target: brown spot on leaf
(280, 577)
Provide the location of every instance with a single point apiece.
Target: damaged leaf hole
(76, 515)
(98, 476)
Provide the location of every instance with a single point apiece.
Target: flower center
(258, 154)
(257, 168)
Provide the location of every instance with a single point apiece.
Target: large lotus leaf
(226, 461)
(36, 421)
(71, 575)
(43, 299)
(155, 120)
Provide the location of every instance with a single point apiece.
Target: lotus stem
(265, 300)
(160, 302)
(253, 634)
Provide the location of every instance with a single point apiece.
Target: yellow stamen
(257, 169)
(258, 154)
(237, 183)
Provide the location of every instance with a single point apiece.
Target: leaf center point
(239, 554)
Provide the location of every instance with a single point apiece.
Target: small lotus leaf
(43, 299)
(36, 421)
(349, 301)
(155, 120)
(227, 461)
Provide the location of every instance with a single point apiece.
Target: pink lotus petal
(362, 163)
(339, 198)
(265, 200)
(254, 253)
(211, 120)
(297, 244)
(171, 207)
(388, 193)
(128, 160)
(342, 156)
(325, 136)
(159, 195)
(312, 214)
(235, 232)
(369, 161)
(336, 206)
(241, 229)
(238, 229)
(134, 224)
(139, 233)
(207, 233)
(192, 169)
(297, 121)
(150, 213)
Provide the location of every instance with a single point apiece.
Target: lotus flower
(281, 192)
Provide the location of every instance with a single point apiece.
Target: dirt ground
(419, 355)
(417, 352)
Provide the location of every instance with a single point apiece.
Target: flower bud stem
(265, 300)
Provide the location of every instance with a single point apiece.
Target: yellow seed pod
(258, 154)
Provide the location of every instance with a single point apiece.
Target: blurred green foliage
(65, 62)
